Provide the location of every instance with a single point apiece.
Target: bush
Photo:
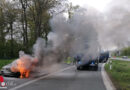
(125, 51)
(8, 51)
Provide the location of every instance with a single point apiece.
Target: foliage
(120, 74)
(125, 51)
(4, 62)
(21, 23)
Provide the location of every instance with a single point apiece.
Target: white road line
(107, 82)
(32, 81)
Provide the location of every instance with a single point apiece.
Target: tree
(71, 9)
(24, 4)
(22, 22)
(125, 51)
(2, 23)
(40, 16)
(11, 15)
(2, 29)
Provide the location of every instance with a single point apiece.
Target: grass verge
(122, 56)
(119, 74)
(4, 62)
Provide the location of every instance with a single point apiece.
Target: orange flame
(24, 67)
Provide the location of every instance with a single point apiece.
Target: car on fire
(87, 64)
(6, 71)
(20, 67)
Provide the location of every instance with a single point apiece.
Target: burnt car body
(87, 64)
(6, 71)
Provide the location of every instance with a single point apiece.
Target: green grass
(120, 74)
(4, 62)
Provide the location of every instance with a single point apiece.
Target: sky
(112, 19)
(100, 5)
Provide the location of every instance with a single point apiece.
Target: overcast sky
(114, 29)
(100, 5)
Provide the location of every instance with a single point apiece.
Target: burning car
(20, 67)
(6, 71)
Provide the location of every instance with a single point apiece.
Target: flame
(24, 72)
(24, 66)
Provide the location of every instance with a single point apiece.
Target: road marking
(108, 83)
(32, 81)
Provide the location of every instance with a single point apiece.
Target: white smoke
(84, 33)
(114, 25)
(68, 38)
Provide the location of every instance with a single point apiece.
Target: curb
(107, 82)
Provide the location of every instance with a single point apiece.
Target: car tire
(96, 68)
(79, 68)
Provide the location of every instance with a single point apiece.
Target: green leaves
(126, 51)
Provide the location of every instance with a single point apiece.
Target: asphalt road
(69, 79)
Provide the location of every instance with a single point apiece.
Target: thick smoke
(68, 38)
(86, 32)
(114, 27)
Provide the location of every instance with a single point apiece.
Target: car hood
(7, 66)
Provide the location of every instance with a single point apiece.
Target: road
(122, 59)
(68, 79)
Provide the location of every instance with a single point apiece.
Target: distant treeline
(125, 51)
(22, 22)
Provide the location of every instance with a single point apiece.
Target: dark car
(87, 64)
(103, 57)
(6, 71)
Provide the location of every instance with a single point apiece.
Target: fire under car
(20, 67)
(87, 64)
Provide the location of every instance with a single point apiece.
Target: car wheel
(17, 75)
(79, 68)
(96, 68)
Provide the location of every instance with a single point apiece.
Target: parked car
(87, 63)
(124, 57)
(103, 57)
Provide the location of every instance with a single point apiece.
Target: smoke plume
(86, 32)
(114, 27)
(68, 38)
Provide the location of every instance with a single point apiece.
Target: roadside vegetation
(119, 74)
(122, 56)
(23, 21)
(4, 62)
(123, 52)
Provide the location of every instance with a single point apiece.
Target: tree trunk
(12, 44)
(24, 23)
(25, 31)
